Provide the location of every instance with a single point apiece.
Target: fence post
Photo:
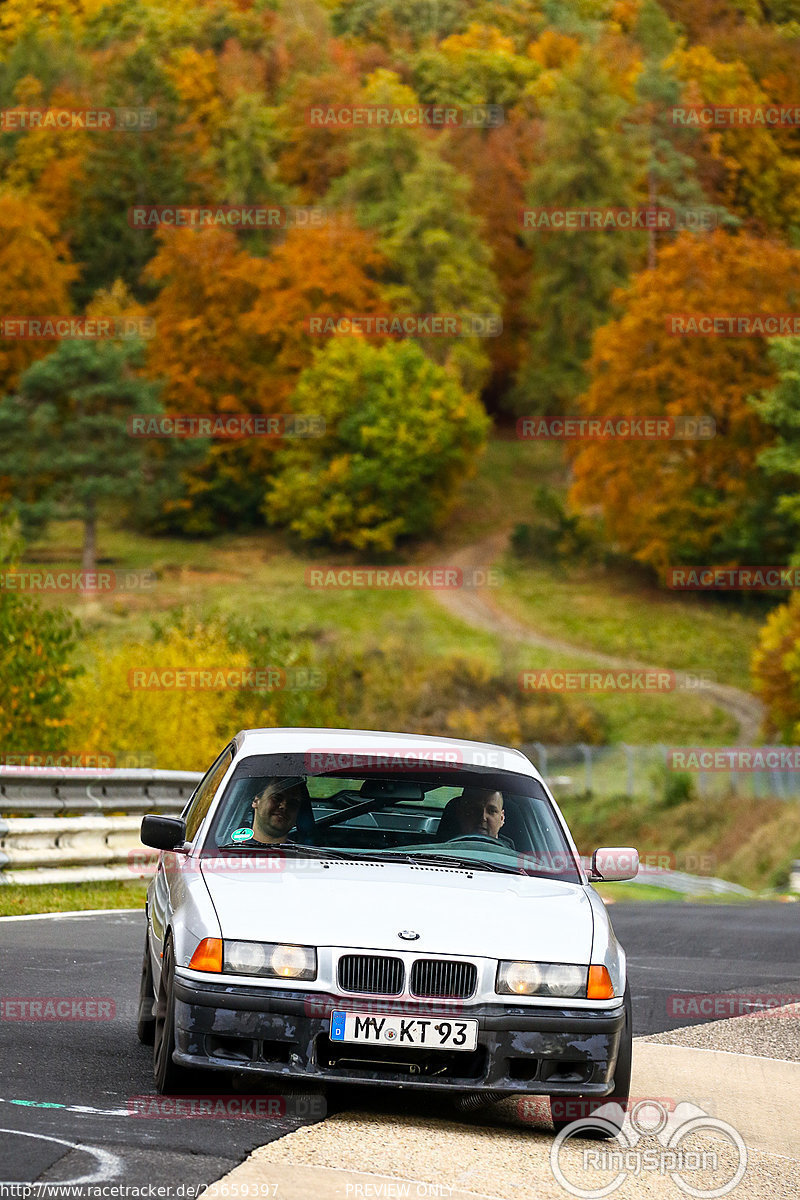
(542, 752)
(586, 751)
(629, 763)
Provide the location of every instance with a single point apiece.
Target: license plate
(432, 1033)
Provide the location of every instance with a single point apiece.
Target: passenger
(476, 811)
(275, 809)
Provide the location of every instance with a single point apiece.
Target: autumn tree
(233, 334)
(439, 263)
(401, 435)
(750, 168)
(587, 159)
(497, 162)
(776, 671)
(64, 436)
(779, 409)
(416, 203)
(35, 276)
(313, 153)
(390, 21)
(36, 664)
(380, 158)
(692, 500)
(477, 67)
(669, 167)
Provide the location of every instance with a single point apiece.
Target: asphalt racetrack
(70, 1089)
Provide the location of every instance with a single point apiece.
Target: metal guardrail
(62, 847)
(45, 836)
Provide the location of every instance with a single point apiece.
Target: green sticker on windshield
(241, 835)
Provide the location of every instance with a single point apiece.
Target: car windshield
(481, 819)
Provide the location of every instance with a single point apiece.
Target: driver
(275, 809)
(479, 810)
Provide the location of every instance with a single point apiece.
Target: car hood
(365, 906)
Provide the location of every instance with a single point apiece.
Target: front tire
(146, 1022)
(609, 1124)
(169, 1078)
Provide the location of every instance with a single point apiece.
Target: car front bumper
(281, 1032)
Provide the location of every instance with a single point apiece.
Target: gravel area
(504, 1158)
(774, 1036)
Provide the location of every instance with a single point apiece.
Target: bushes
(36, 646)
(776, 670)
(182, 729)
(384, 687)
(553, 535)
(401, 437)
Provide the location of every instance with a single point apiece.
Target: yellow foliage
(776, 670)
(554, 50)
(182, 729)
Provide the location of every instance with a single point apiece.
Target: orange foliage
(35, 274)
(664, 498)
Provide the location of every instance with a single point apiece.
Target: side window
(206, 791)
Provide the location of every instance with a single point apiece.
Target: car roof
(381, 742)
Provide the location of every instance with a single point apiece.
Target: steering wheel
(474, 837)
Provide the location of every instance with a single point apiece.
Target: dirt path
(478, 607)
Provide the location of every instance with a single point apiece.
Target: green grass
(73, 897)
(258, 578)
(623, 616)
(638, 893)
(647, 718)
(18, 901)
(499, 494)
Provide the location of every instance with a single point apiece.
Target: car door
(170, 878)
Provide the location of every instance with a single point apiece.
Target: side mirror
(611, 864)
(163, 833)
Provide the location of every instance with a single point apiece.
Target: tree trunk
(89, 554)
(651, 233)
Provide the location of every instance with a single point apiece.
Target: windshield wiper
(298, 850)
(455, 860)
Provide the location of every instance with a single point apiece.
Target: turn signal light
(600, 985)
(207, 956)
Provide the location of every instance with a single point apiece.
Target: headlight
(541, 979)
(271, 959)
